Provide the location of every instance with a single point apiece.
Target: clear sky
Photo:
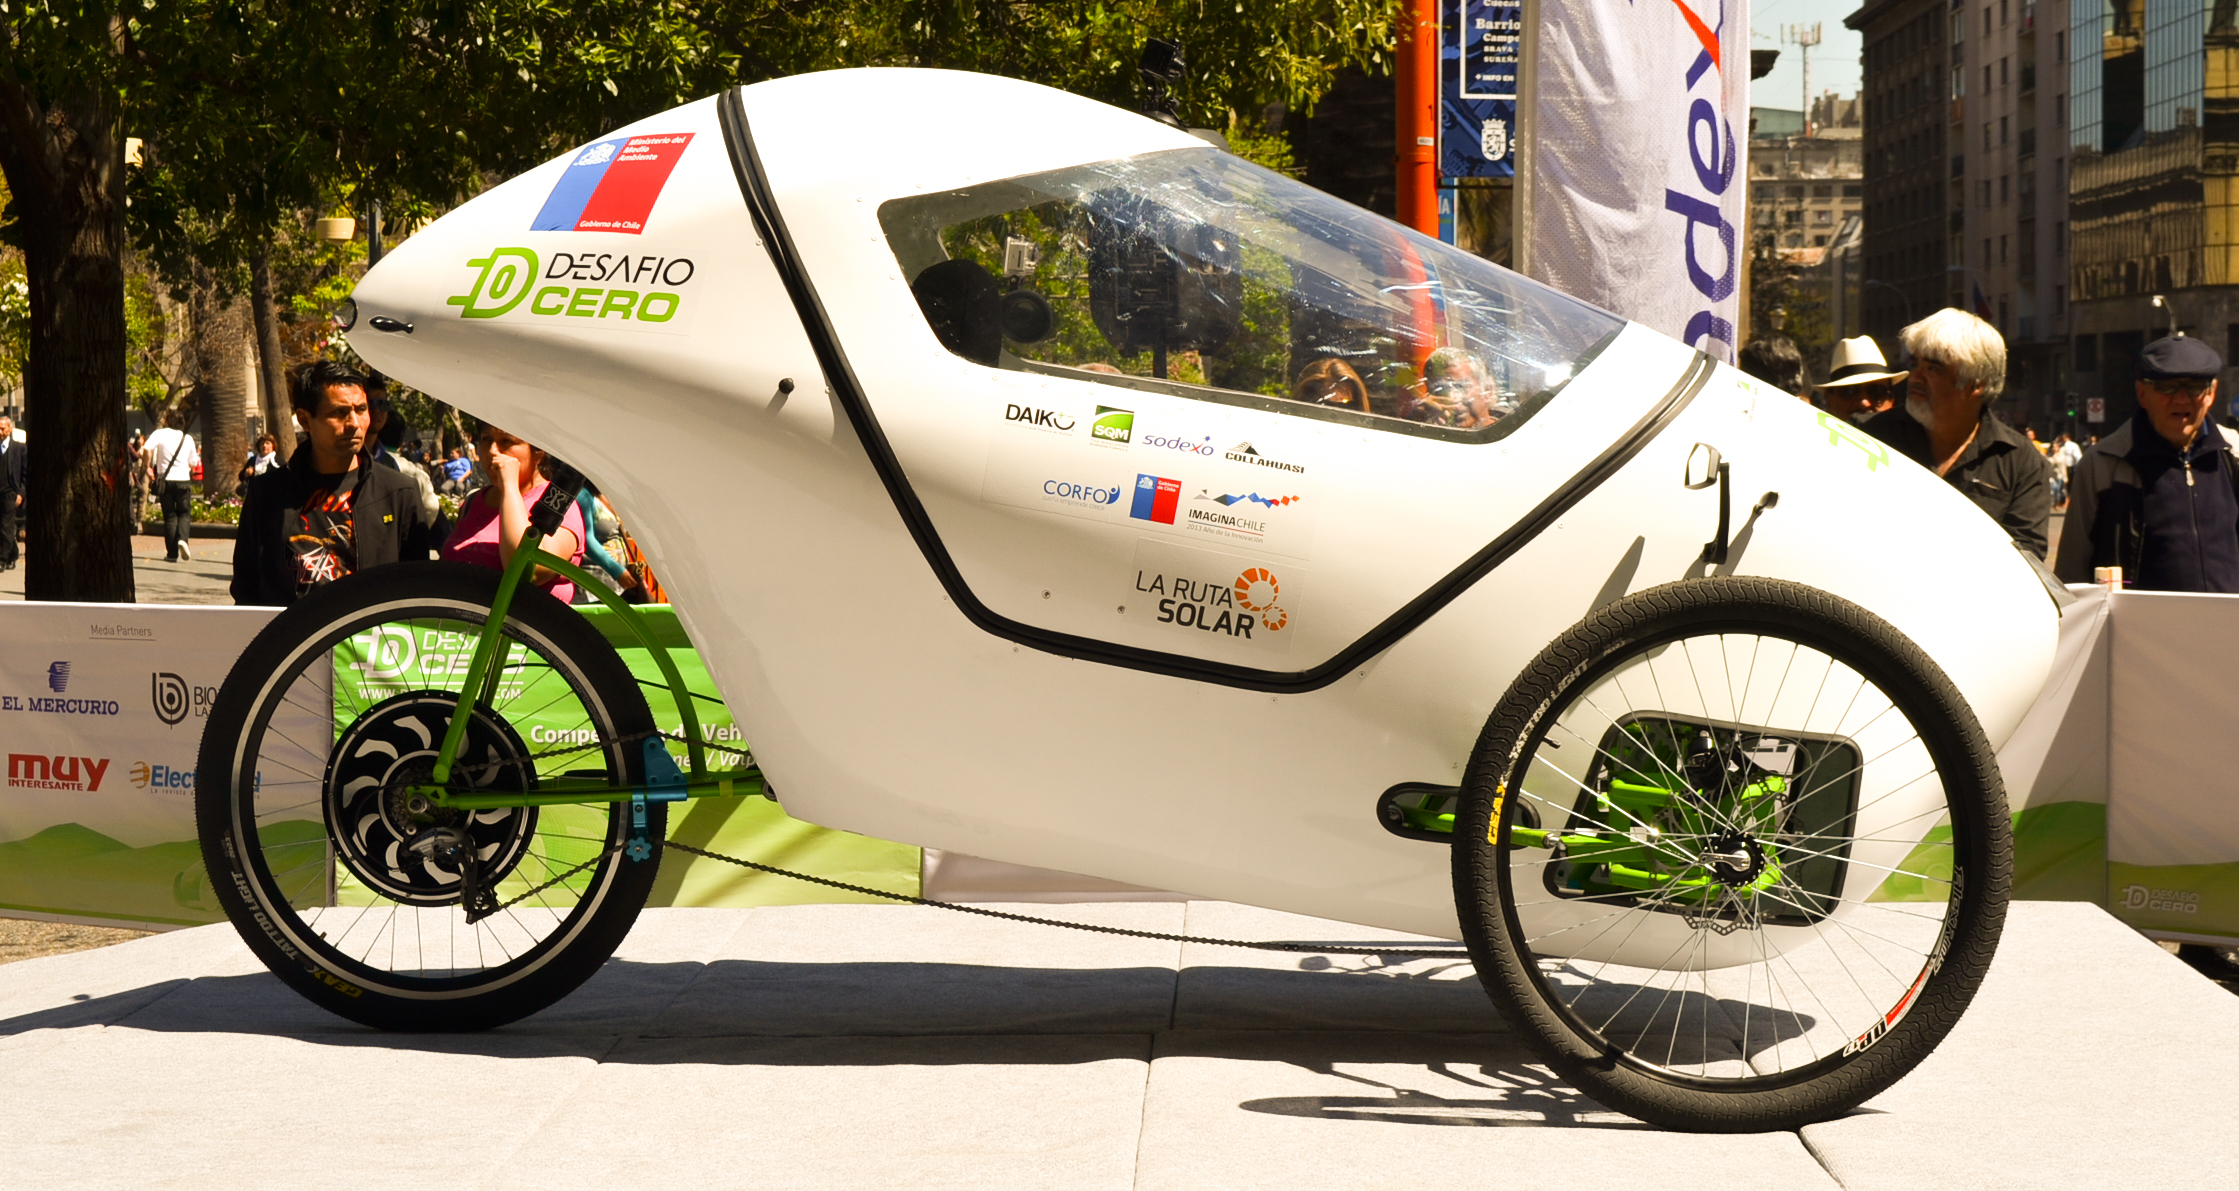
(1834, 61)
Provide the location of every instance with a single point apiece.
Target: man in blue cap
(2160, 496)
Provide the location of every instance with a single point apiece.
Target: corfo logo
(1055, 421)
(1244, 452)
(58, 677)
(1113, 425)
(509, 276)
(36, 771)
(1072, 493)
(1156, 498)
(2166, 901)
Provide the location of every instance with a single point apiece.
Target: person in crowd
(262, 457)
(11, 491)
(1456, 391)
(172, 458)
(1860, 382)
(2056, 454)
(386, 433)
(136, 456)
(492, 521)
(330, 511)
(1775, 360)
(1331, 382)
(456, 469)
(2065, 447)
(2159, 497)
(1946, 426)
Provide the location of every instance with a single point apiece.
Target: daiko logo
(36, 771)
(509, 277)
(1052, 420)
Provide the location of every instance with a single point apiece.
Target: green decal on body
(507, 276)
(1840, 431)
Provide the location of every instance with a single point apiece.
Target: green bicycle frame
(482, 677)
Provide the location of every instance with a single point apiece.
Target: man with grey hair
(1945, 425)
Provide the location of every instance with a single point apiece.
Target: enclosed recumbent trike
(1057, 487)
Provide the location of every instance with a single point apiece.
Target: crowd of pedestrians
(2153, 506)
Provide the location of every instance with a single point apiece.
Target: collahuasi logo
(611, 186)
(1244, 452)
(1113, 425)
(1156, 498)
(37, 771)
(509, 275)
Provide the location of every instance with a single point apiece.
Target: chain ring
(372, 821)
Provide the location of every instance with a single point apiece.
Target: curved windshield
(1195, 272)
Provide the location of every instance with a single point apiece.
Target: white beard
(1921, 411)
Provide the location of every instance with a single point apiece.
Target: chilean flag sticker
(611, 186)
(1155, 499)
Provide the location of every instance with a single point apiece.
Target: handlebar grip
(552, 507)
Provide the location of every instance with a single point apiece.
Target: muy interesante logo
(611, 186)
(37, 771)
(626, 289)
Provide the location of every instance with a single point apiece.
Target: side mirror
(1702, 466)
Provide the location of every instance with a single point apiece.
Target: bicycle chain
(909, 899)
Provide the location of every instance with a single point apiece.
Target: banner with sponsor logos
(101, 713)
(1639, 117)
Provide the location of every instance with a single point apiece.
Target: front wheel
(1733, 854)
(373, 903)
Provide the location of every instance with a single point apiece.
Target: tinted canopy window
(1197, 273)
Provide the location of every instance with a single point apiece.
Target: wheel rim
(323, 896)
(1748, 867)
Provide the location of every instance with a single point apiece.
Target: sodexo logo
(1202, 446)
(1711, 150)
(1067, 492)
(1113, 426)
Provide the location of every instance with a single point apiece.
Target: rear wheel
(1733, 854)
(375, 904)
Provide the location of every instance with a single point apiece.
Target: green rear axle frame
(664, 782)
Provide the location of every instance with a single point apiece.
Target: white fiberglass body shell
(996, 673)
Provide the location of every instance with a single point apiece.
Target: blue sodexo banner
(1478, 49)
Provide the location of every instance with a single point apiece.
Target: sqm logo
(38, 772)
(58, 677)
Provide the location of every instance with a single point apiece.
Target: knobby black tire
(587, 936)
(1981, 852)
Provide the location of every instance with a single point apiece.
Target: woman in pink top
(493, 520)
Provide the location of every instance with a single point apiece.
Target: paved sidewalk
(205, 580)
(863, 1046)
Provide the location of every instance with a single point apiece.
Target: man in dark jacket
(2160, 496)
(11, 490)
(331, 511)
(1945, 425)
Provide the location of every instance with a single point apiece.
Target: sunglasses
(2180, 388)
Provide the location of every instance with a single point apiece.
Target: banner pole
(1522, 152)
(1415, 118)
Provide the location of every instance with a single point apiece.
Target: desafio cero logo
(509, 282)
(2166, 901)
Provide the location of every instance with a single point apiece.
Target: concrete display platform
(865, 1046)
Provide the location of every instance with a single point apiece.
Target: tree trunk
(272, 361)
(65, 166)
(221, 349)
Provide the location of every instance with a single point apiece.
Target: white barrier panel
(101, 714)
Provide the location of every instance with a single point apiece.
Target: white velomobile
(1045, 483)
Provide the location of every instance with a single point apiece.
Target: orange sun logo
(1256, 591)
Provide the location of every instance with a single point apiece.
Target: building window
(2059, 239)
(1822, 191)
(2060, 110)
(1986, 20)
(1986, 135)
(1982, 189)
(1986, 78)
(1791, 218)
(2087, 353)
(1819, 241)
(2001, 250)
(1986, 252)
(2059, 300)
(2005, 183)
(2003, 127)
(2001, 12)
(2005, 74)
(1823, 217)
(1766, 194)
(1853, 191)
(1796, 192)
(2060, 45)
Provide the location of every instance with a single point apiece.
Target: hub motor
(405, 846)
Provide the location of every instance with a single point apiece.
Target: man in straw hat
(1860, 382)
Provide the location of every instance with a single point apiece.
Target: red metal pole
(1415, 132)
